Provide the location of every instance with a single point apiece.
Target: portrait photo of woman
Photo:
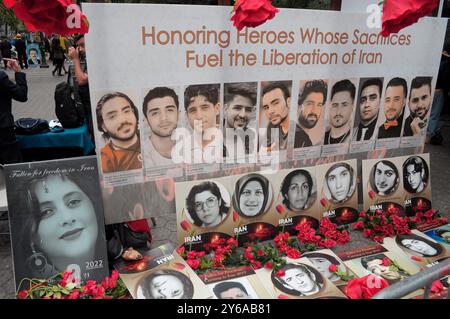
(339, 183)
(165, 284)
(59, 226)
(384, 178)
(252, 195)
(298, 190)
(208, 204)
(419, 246)
(415, 174)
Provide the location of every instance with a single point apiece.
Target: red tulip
(235, 216)
(185, 225)
(280, 273)
(372, 194)
(332, 268)
(323, 202)
(280, 209)
(252, 13)
(283, 296)
(179, 266)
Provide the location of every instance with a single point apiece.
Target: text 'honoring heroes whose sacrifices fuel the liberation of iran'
(273, 56)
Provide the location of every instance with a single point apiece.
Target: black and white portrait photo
(298, 190)
(208, 204)
(165, 284)
(252, 195)
(56, 219)
(384, 178)
(415, 174)
(381, 266)
(339, 183)
(419, 246)
(322, 263)
(238, 288)
(299, 280)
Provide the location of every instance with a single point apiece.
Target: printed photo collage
(163, 273)
(179, 131)
(257, 206)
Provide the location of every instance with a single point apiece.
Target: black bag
(68, 108)
(130, 238)
(29, 126)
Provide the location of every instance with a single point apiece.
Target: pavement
(41, 104)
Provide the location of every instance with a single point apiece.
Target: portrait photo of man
(117, 118)
(202, 106)
(381, 266)
(415, 174)
(299, 280)
(340, 113)
(419, 104)
(311, 102)
(339, 183)
(384, 178)
(161, 111)
(369, 105)
(239, 110)
(275, 108)
(231, 290)
(394, 105)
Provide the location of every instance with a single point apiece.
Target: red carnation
(358, 225)
(256, 264)
(193, 263)
(268, 265)
(58, 16)
(386, 262)
(260, 253)
(252, 13)
(22, 294)
(400, 14)
(293, 253)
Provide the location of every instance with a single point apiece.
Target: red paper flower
(400, 14)
(332, 268)
(185, 225)
(365, 287)
(252, 13)
(56, 16)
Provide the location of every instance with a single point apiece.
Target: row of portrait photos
(257, 206)
(164, 274)
(163, 130)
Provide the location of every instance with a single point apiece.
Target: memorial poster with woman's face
(299, 279)
(235, 283)
(337, 190)
(296, 198)
(420, 248)
(416, 183)
(56, 219)
(204, 216)
(161, 274)
(383, 185)
(381, 262)
(254, 215)
(323, 259)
